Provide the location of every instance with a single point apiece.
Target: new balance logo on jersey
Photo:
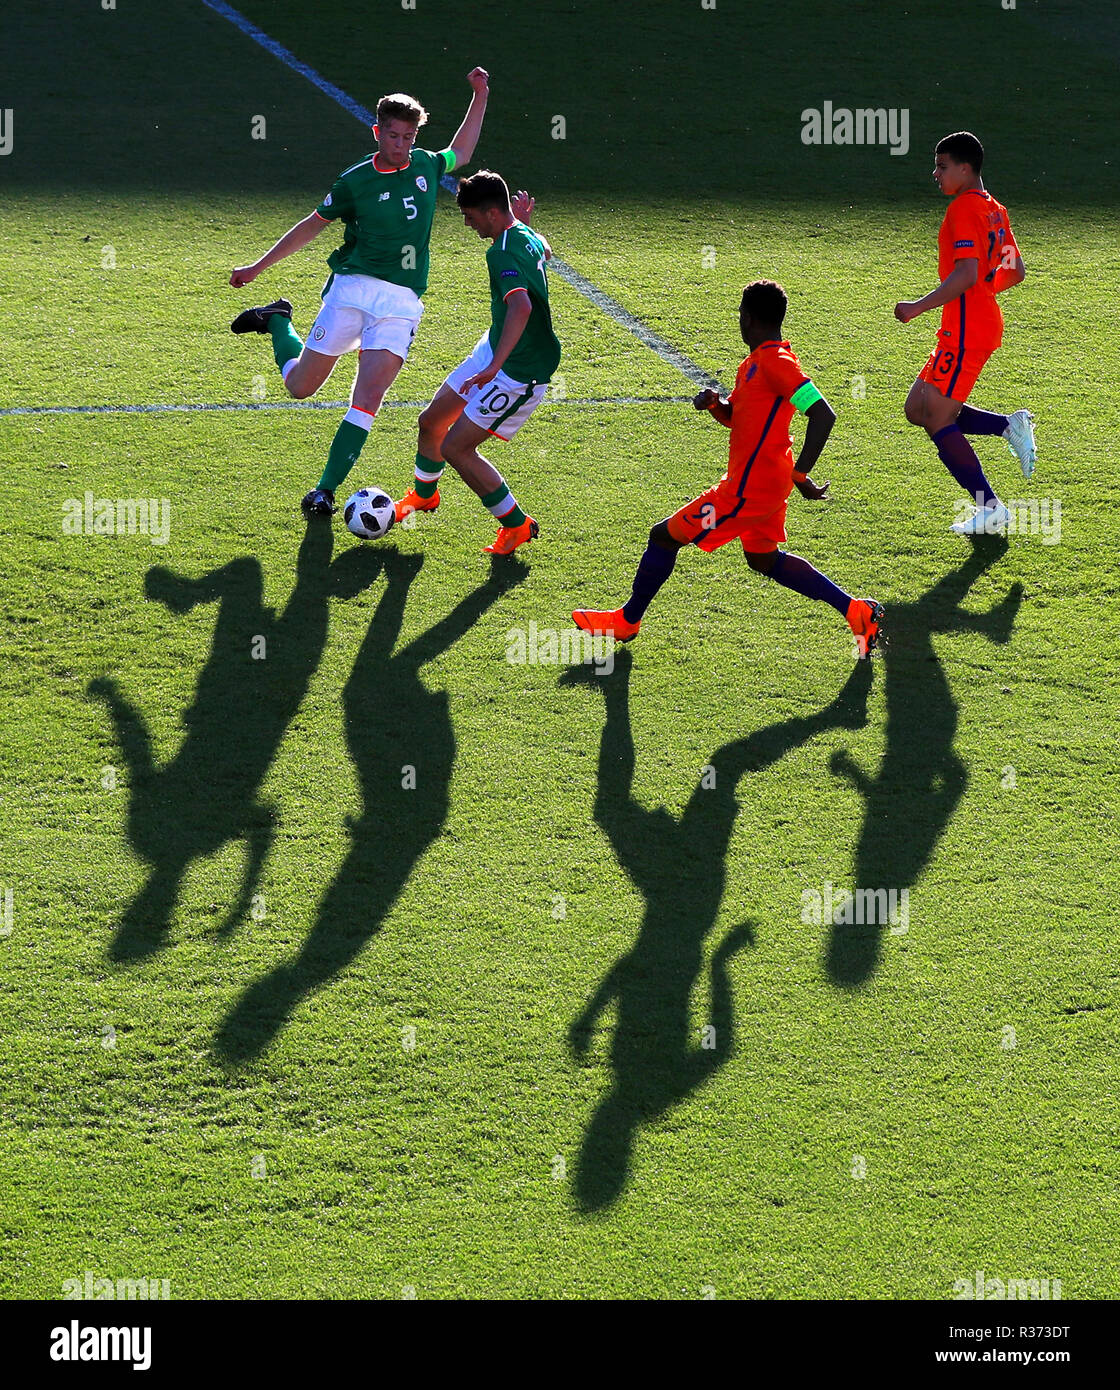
(384, 198)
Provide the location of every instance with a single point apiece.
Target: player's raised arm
(299, 236)
(962, 277)
(466, 137)
(522, 205)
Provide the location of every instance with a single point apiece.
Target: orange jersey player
(749, 502)
(977, 258)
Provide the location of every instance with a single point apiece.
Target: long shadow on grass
(912, 797)
(403, 744)
(679, 866)
(258, 671)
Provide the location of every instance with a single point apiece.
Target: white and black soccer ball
(369, 513)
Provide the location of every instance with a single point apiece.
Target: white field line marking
(278, 50)
(602, 301)
(614, 310)
(161, 409)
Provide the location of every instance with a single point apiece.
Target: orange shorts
(720, 515)
(953, 371)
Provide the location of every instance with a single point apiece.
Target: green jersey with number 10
(387, 218)
(516, 262)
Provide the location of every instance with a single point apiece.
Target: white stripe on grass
(611, 307)
(602, 301)
(279, 51)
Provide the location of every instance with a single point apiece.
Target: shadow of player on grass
(679, 867)
(209, 793)
(402, 741)
(911, 799)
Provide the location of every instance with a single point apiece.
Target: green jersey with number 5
(516, 262)
(387, 218)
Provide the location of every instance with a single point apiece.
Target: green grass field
(277, 1026)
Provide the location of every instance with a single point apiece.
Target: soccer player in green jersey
(371, 302)
(505, 378)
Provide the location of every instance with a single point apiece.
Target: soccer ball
(369, 513)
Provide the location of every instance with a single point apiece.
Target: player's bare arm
(963, 276)
(819, 420)
(466, 137)
(299, 236)
(709, 399)
(518, 309)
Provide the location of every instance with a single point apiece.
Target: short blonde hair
(399, 107)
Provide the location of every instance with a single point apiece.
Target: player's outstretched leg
(1017, 428)
(654, 568)
(275, 319)
(460, 449)
(303, 371)
(864, 615)
(257, 320)
(432, 427)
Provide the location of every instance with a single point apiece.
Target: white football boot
(1020, 439)
(984, 521)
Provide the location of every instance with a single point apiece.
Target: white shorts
(504, 405)
(362, 312)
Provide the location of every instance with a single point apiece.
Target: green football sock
(502, 504)
(286, 342)
(426, 476)
(346, 446)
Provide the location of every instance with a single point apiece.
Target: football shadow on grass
(679, 867)
(257, 672)
(402, 741)
(911, 799)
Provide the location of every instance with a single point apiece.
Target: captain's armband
(805, 397)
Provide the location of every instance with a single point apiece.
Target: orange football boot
(412, 502)
(865, 618)
(510, 537)
(614, 623)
